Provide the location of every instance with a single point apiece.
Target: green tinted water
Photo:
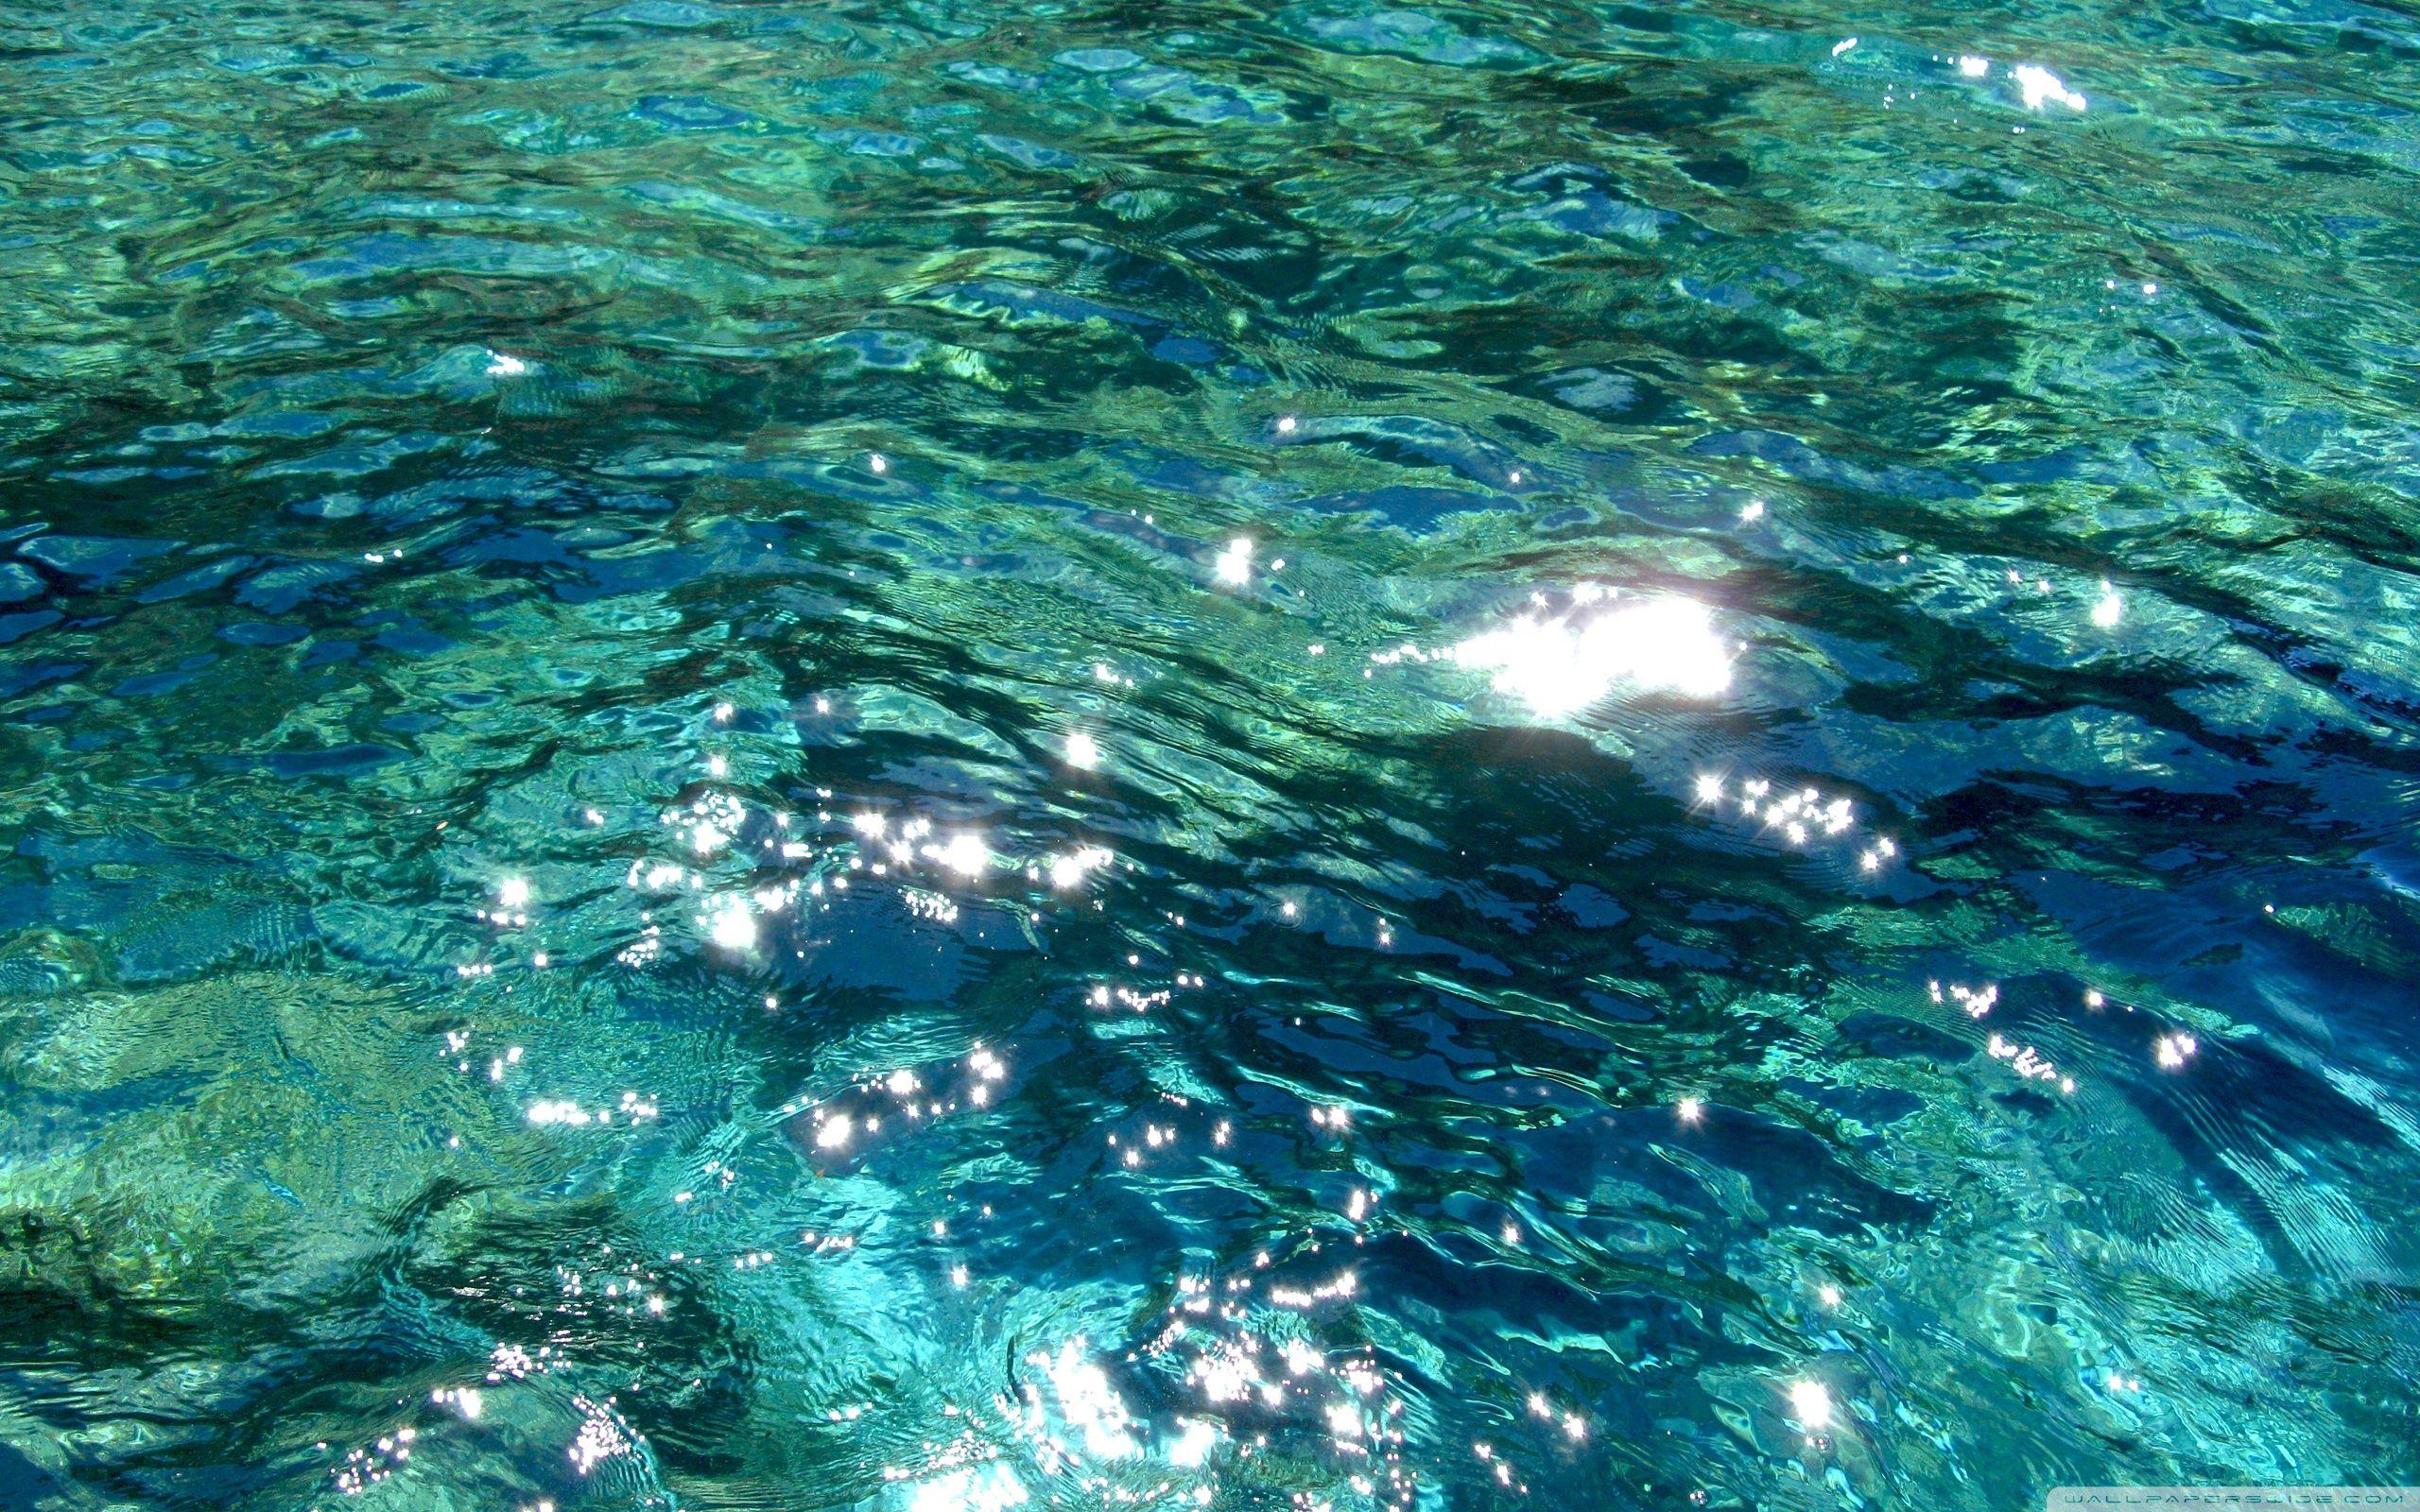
(1246, 756)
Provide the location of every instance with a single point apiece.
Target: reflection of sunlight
(1562, 665)
(980, 1488)
(730, 924)
(1193, 1445)
(2041, 87)
(1089, 1403)
(965, 854)
(1812, 1402)
(1070, 870)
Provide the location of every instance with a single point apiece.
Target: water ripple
(1322, 755)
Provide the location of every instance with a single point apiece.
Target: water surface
(1297, 756)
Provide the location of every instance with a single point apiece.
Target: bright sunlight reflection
(1559, 664)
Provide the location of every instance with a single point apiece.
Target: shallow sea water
(971, 755)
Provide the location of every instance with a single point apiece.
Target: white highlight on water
(2041, 87)
(1559, 665)
(731, 925)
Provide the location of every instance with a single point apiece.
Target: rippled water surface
(1254, 755)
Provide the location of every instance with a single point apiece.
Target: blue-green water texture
(1310, 755)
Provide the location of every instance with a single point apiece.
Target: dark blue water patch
(385, 254)
(200, 580)
(1620, 1009)
(1190, 351)
(1416, 509)
(1203, 102)
(519, 547)
(281, 589)
(15, 627)
(1591, 907)
(1030, 154)
(1665, 955)
(1727, 296)
(1797, 459)
(154, 683)
(2054, 467)
(362, 460)
(93, 560)
(22, 677)
(424, 502)
(1590, 212)
(1421, 440)
(1176, 472)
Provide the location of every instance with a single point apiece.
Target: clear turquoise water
(660, 850)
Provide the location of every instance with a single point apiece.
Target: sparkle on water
(1563, 664)
(1325, 756)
